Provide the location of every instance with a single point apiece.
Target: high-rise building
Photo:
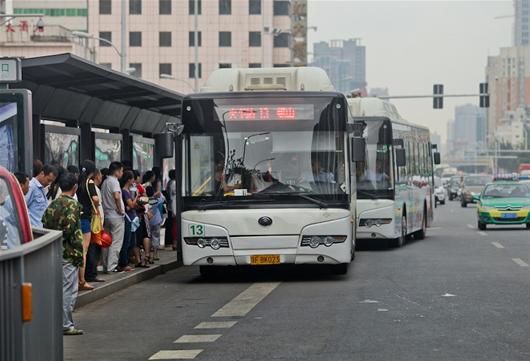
(522, 22)
(508, 76)
(2, 6)
(466, 134)
(344, 61)
(230, 33)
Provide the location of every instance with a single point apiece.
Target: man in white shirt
(114, 210)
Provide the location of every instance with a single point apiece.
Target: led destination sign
(267, 112)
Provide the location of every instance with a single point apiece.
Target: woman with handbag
(88, 197)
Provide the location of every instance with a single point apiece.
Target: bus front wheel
(400, 241)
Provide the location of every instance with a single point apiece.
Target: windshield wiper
(322, 204)
(311, 199)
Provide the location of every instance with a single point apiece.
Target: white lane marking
(470, 226)
(197, 338)
(369, 301)
(482, 233)
(215, 325)
(382, 310)
(448, 295)
(520, 262)
(246, 300)
(175, 355)
(497, 244)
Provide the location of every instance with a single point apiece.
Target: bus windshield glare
(265, 146)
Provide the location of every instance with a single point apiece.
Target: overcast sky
(411, 45)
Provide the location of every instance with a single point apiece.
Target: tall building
(344, 61)
(231, 33)
(522, 22)
(508, 75)
(2, 6)
(512, 129)
(466, 134)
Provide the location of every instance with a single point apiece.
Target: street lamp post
(84, 35)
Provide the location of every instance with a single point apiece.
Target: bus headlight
(369, 222)
(315, 241)
(328, 241)
(214, 243)
(201, 242)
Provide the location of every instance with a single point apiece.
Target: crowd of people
(132, 208)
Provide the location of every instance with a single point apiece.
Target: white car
(440, 192)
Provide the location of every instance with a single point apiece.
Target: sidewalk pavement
(118, 281)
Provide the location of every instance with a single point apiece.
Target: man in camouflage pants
(64, 214)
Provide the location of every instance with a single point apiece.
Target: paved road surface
(460, 294)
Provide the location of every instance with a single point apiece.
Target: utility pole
(123, 60)
(196, 44)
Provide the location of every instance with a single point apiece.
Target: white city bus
(395, 182)
(265, 171)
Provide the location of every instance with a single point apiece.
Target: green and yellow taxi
(505, 203)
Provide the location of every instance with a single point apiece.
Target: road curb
(114, 286)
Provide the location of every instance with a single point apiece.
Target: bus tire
(400, 241)
(340, 269)
(482, 226)
(423, 231)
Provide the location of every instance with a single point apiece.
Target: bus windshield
(266, 147)
(374, 174)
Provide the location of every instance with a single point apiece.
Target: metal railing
(39, 263)
(50, 33)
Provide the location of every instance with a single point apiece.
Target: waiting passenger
(36, 197)
(64, 214)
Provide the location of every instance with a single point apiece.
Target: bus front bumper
(340, 254)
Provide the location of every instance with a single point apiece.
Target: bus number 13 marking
(197, 230)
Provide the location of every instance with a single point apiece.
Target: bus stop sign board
(10, 70)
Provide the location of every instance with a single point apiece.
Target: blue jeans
(126, 246)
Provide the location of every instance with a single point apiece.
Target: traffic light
(438, 96)
(484, 95)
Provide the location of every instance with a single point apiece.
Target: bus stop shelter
(82, 95)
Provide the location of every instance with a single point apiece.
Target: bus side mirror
(358, 148)
(165, 145)
(437, 158)
(401, 160)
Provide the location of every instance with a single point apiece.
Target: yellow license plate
(265, 259)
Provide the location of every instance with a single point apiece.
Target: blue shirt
(37, 202)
